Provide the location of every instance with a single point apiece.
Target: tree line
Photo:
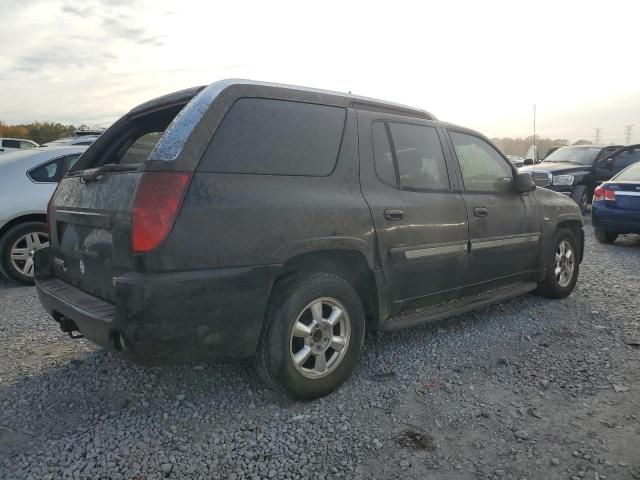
(520, 146)
(43, 132)
(39, 132)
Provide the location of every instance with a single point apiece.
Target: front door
(418, 212)
(504, 225)
(614, 163)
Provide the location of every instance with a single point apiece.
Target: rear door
(504, 225)
(417, 209)
(605, 166)
(614, 163)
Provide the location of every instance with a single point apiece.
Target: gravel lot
(530, 388)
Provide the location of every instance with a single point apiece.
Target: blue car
(616, 205)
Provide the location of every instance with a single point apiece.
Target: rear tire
(580, 195)
(563, 266)
(308, 315)
(16, 250)
(604, 236)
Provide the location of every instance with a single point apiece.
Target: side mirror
(523, 182)
(528, 161)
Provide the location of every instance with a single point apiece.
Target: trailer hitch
(69, 326)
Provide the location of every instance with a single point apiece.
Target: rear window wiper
(93, 174)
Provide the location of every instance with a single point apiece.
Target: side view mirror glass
(528, 161)
(523, 182)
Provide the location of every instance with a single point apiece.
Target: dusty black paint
(205, 288)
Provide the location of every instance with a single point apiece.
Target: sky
(481, 64)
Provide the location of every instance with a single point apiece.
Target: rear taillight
(603, 193)
(158, 200)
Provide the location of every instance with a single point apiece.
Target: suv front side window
(626, 158)
(483, 168)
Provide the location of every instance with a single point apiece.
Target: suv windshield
(580, 155)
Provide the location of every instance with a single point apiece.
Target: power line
(628, 132)
(597, 135)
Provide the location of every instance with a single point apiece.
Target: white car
(28, 178)
(80, 140)
(16, 144)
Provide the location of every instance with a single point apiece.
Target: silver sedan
(27, 180)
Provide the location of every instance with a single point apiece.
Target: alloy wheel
(23, 249)
(565, 261)
(320, 337)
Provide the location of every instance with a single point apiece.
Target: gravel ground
(530, 388)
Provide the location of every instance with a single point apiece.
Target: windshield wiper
(94, 174)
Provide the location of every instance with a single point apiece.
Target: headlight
(563, 179)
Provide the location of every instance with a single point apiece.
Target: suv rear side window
(421, 163)
(417, 156)
(382, 155)
(483, 168)
(276, 137)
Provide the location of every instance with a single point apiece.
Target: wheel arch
(351, 265)
(575, 227)
(32, 217)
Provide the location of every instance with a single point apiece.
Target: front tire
(313, 336)
(580, 195)
(563, 266)
(16, 250)
(604, 236)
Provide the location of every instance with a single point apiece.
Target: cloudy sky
(482, 64)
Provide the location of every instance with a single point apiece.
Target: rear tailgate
(91, 231)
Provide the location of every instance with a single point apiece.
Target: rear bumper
(610, 219)
(176, 316)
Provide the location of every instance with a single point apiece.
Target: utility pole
(597, 135)
(628, 132)
(535, 148)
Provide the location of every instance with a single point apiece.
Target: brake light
(603, 193)
(158, 200)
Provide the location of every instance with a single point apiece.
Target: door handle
(481, 212)
(393, 214)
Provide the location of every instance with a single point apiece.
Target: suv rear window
(141, 148)
(276, 137)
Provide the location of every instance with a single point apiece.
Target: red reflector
(158, 200)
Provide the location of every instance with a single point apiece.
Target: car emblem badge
(81, 267)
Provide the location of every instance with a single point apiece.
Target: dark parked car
(254, 219)
(616, 205)
(576, 171)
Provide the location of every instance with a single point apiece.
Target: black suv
(254, 219)
(577, 171)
